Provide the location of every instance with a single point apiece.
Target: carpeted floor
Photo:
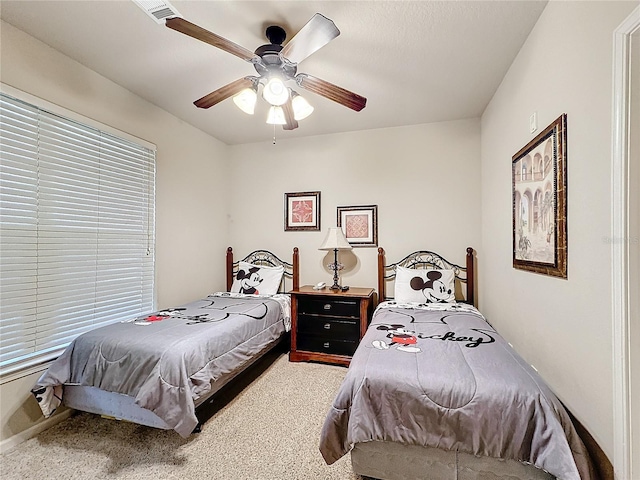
(264, 428)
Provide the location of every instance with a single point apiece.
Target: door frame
(621, 315)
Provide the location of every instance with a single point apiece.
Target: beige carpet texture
(267, 428)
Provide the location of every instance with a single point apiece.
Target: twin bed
(156, 370)
(434, 392)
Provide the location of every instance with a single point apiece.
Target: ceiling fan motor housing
(272, 64)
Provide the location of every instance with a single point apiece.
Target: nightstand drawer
(313, 343)
(346, 328)
(346, 307)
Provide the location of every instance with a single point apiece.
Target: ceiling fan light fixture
(275, 92)
(301, 107)
(275, 64)
(276, 116)
(246, 100)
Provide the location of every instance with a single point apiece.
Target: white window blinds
(76, 231)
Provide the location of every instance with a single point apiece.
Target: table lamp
(335, 240)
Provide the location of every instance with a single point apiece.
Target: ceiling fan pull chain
(274, 134)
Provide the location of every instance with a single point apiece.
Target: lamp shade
(275, 92)
(246, 100)
(335, 239)
(301, 108)
(276, 116)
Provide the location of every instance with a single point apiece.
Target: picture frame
(302, 211)
(359, 225)
(539, 202)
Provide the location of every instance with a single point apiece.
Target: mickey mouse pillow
(256, 279)
(424, 286)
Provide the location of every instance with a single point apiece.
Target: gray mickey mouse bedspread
(168, 360)
(439, 375)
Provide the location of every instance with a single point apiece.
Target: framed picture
(302, 211)
(359, 225)
(539, 181)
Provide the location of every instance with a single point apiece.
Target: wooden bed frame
(123, 407)
(464, 276)
(267, 259)
(395, 461)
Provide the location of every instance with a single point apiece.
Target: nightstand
(327, 325)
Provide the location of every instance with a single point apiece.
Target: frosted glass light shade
(246, 100)
(301, 108)
(276, 116)
(275, 92)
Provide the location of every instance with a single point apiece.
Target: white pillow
(424, 286)
(257, 279)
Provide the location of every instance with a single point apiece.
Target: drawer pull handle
(326, 345)
(327, 306)
(327, 326)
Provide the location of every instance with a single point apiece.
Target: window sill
(24, 372)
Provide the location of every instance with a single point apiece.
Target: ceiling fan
(275, 64)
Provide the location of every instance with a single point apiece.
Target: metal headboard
(426, 259)
(267, 259)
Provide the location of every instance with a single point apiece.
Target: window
(77, 211)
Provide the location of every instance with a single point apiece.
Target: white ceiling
(415, 61)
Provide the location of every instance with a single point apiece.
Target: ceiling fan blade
(331, 91)
(292, 123)
(316, 33)
(223, 93)
(183, 26)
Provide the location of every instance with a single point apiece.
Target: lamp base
(335, 285)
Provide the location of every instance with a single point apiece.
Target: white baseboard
(14, 441)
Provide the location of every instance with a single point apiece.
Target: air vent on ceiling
(159, 10)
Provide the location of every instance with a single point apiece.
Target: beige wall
(562, 327)
(423, 179)
(191, 184)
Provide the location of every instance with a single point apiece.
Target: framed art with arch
(539, 187)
